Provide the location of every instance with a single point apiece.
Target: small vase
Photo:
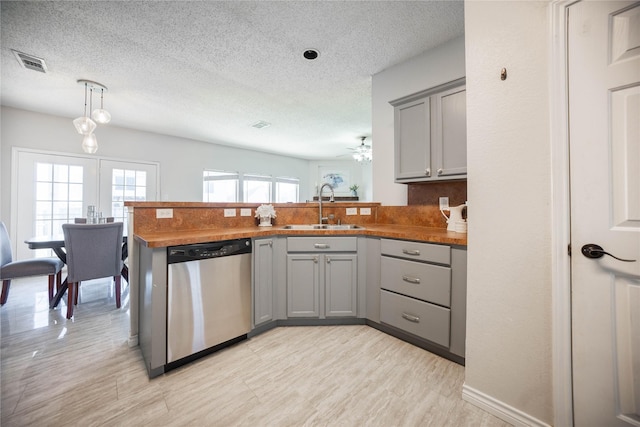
(265, 221)
(354, 193)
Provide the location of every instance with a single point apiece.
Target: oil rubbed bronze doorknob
(593, 251)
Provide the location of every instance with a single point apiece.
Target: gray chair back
(6, 256)
(93, 250)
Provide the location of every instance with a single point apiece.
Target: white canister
(461, 227)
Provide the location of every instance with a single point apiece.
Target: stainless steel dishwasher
(209, 298)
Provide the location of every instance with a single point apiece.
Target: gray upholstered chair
(11, 269)
(93, 251)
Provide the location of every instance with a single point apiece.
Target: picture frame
(339, 179)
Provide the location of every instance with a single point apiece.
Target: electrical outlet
(365, 211)
(164, 213)
(352, 211)
(444, 203)
(245, 212)
(229, 212)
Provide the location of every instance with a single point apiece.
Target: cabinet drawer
(416, 279)
(425, 320)
(322, 244)
(440, 254)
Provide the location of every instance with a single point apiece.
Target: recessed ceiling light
(311, 54)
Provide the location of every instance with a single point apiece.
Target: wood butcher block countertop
(158, 239)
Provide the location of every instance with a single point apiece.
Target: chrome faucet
(320, 217)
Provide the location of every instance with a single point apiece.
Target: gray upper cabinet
(431, 134)
(413, 139)
(450, 132)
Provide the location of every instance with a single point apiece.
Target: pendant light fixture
(101, 115)
(84, 125)
(90, 143)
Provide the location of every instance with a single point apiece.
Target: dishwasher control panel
(184, 253)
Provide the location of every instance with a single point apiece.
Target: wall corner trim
(500, 409)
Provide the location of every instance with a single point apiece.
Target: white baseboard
(500, 409)
(133, 341)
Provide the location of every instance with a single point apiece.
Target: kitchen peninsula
(410, 242)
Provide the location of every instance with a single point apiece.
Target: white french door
(121, 182)
(50, 189)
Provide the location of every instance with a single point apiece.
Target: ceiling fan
(362, 153)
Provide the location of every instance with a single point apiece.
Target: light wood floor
(81, 372)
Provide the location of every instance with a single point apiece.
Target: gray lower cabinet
(423, 291)
(322, 277)
(263, 281)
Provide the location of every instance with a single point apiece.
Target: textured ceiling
(209, 70)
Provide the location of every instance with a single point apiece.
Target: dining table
(56, 244)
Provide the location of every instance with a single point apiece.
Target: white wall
(432, 68)
(508, 152)
(181, 160)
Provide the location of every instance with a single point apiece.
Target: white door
(121, 182)
(604, 104)
(49, 190)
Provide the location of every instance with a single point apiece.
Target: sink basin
(323, 227)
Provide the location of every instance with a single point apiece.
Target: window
(58, 198)
(229, 187)
(287, 190)
(220, 186)
(126, 186)
(257, 188)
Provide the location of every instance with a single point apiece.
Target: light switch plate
(245, 212)
(229, 212)
(164, 213)
(352, 211)
(444, 203)
(365, 211)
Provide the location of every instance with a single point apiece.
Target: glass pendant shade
(90, 144)
(101, 116)
(84, 125)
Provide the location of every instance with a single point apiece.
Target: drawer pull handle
(411, 252)
(411, 317)
(315, 259)
(411, 279)
(321, 246)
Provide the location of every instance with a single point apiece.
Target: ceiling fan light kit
(362, 153)
(85, 125)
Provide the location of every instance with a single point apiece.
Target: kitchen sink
(323, 227)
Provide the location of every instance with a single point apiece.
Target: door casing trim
(560, 217)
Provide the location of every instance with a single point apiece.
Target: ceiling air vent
(261, 124)
(31, 62)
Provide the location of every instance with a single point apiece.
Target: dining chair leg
(118, 283)
(70, 293)
(58, 280)
(51, 280)
(5, 291)
(76, 292)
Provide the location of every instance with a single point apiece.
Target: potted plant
(354, 190)
(265, 213)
